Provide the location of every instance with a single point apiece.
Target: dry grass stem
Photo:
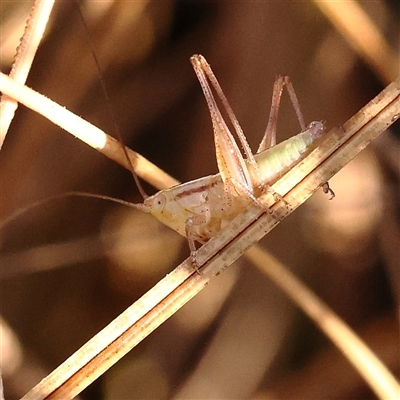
(84, 131)
(363, 35)
(26, 51)
(362, 358)
(170, 294)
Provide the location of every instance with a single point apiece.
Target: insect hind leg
(269, 138)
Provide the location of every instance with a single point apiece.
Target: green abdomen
(279, 159)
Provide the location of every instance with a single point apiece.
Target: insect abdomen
(277, 160)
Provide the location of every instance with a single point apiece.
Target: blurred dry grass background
(69, 267)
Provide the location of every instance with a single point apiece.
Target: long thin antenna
(61, 196)
(107, 97)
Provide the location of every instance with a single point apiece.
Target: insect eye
(160, 200)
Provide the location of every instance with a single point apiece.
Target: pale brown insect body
(204, 204)
(199, 209)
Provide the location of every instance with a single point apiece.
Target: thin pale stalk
(1, 386)
(354, 349)
(26, 52)
(363, 35)
(86, 132)
(170, 294)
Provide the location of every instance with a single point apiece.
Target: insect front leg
(190, 225)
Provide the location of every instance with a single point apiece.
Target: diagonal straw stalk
(85, 131)
(26, 52)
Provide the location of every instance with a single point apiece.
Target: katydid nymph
(199, 209)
